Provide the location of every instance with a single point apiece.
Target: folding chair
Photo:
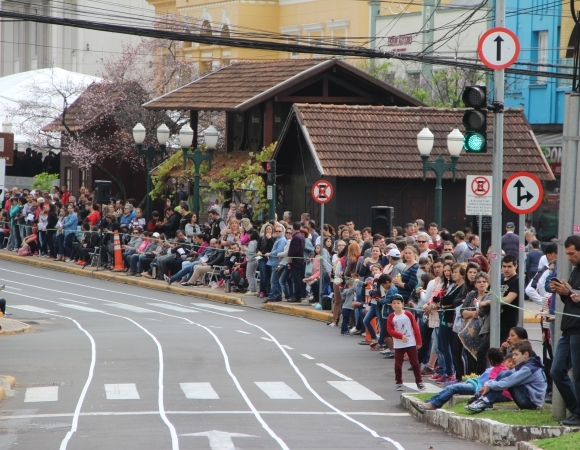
(212, 276)
(95, 256)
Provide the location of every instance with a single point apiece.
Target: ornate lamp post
(211, 136)
(425, 140)
(150, 153)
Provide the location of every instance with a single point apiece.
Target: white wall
(77, 50)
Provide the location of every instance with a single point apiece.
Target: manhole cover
(33, 385)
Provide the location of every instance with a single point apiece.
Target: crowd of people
(422, 293)
(30, 163)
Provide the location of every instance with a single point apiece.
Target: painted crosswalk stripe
(131, 308)
(74, 301)
(32, 308)
(79, 307)
(199, 391)
(267, 339)
(219, 308)
(336, 372)
(354, 390)
(243, 332)
(278, 390)
(173, 308)
(121, 391)
(287, 347)
(41, 394)
(307, 356)
(431, 388)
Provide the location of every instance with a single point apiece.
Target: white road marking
(199, 391)
(126, 391)
(243, 332)
(10, 287)
(287, 347)
(336, 372)
(130, 308)
(32, 308)
(79, 307)
(219, 440)
(431, 388)
(354, 390)
(74, 301)
(41, 394)
(213, 326)
(307, 356)
(202, 413)
(278, 390)
(267, 339)
(219, 308)
(173, 308)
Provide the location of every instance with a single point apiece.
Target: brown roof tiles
(379, 141)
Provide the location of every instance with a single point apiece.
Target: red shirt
(64, 198)
(94, 217)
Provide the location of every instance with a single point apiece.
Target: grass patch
(423, 397)
(510, 414)
(567, 442)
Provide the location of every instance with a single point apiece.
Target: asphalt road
(111, 366)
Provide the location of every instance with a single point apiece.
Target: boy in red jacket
(403, 328)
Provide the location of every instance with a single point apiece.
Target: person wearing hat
(462, 253)
(510, 242)
(529, 226)
(395, 265)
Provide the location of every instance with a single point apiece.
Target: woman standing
(446, 326)
(265, 244)
(51, 231)
(69, 226)
(42, 226)
(408, 276)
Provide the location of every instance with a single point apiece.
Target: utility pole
(428, 36)
(496, 222)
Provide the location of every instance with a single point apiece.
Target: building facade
(29, 45)
(310, 22)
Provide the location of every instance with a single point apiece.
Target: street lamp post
(425, 140)
(150, 153)
(211, 136)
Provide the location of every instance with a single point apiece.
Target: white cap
(156, 235)
(394, 253)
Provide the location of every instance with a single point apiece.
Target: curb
(6, 383)
(526, 446)
(21, 328)
(299, 311)
(119, 277)
(486, 431)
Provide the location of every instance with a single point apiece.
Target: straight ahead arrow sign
(219, 440)
(498, 40)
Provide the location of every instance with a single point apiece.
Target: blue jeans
(519, 393)
(60, 250)
(566, 357)
(185, 272)
(136, 264)
(265, 275)
(438, 400)
(345, 320)
(435, 347)
(68, 245)
(371, 314)
(275, 290)
(286, 284)
(445, 346)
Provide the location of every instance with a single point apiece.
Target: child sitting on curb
(526, 383)
(403, 328)
(498, 363)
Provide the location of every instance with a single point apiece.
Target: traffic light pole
(496, 223)
(272, 203)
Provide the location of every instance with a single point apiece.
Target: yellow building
(311, 21)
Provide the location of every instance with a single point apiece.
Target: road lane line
(267, 339)
(32, 308)
(132, 308)
(335, 372)
(41, 394)
(74, 301)
(307, 356)
(173, 308)
(127, 391)
(199, 391)
(219, 308)
(287, 347)
(243, 332)
(354, 390)
(278, 390)
(10, 287)
(79, 307)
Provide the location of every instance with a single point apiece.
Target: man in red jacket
(403, 328)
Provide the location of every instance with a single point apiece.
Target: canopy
(26, 85)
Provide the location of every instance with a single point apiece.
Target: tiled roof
(379, 141)
(241, 83)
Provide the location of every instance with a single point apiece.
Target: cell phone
(557, 281)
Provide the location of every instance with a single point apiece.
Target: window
(542, 54)
(83, 177)
(68, 176)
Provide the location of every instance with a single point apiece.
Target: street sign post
(478, 195)
(322, 192)
(498, 48)
(522, 193)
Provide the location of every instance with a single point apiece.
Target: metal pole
(496, 223)
(566, 216)
(196, 187)
(480, 231)
(521, 269)
(272, 201)
(149, 168)
(321, 247)
(438, 198)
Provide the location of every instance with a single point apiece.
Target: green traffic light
(474, 143)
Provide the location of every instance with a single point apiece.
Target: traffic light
(475, 120)
(270, 168)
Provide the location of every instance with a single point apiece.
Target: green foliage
(44, 181)
(567, 442)
(509, 413)
(175, 161)
(241, 178)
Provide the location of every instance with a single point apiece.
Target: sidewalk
(6, 386)
(218, 295)
(11, 326)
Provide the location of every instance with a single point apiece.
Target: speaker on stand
(103, 191)
(382, 220)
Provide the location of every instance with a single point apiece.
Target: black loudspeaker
(103, 191)
(382, 220)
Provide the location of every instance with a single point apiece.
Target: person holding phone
(567, 355)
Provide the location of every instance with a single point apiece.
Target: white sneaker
(353, 330)
(331, 324)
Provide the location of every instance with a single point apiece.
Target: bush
(44, 181)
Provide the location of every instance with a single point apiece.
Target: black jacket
(571, 324)
(218, 260)
(171, 226)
